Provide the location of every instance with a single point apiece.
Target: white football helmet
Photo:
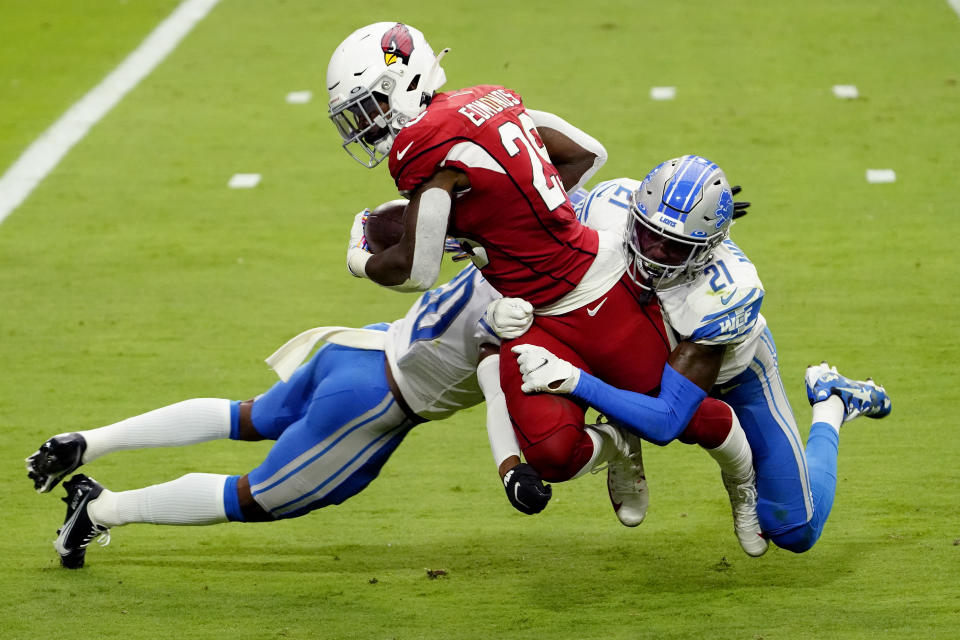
(681, 211)
(385, 62)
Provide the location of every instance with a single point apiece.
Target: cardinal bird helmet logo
(397, 44)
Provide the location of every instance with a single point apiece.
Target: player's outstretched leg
(865, 398)
(183, 423)
(835, 399)
(78, 529)
(193, 499)
(626, 480)
(57, 457)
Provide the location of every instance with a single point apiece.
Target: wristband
(357, 262)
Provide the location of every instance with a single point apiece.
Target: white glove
(357, 254)
(509, 317)
(543, 371)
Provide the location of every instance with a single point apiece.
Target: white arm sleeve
(503, 442)
(432, 216)
(588, 142)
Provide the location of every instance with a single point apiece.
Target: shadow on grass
(545, 563)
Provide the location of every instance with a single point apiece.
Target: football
(384, 225)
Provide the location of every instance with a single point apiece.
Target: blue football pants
(335, 423)
(795, 485)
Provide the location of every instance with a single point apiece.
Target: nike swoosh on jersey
(400, 154)
(593, 312)
(727, 298)
(724, 390)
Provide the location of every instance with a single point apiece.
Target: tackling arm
(690, 372)
(575, 154)
(523, 485)
(503, 441)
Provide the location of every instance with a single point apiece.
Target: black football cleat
(78, 529)
(57, 457)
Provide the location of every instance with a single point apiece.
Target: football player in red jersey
(478, 165)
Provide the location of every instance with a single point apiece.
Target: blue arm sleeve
(659, 420)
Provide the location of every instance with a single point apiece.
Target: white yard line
(45, 153)
(956, 6)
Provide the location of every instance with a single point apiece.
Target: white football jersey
(720, 306)
(607, 206)
(434, 350)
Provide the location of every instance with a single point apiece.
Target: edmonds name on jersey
(515, 219)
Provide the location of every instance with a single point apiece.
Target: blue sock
(231, 500)
(823, 444)
(235, 420)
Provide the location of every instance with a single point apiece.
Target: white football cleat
(627, 487)
(743, 501)
(626, 481)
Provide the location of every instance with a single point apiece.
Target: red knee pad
(561, 455)
(710, 425)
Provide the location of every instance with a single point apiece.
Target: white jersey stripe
(361, 456)
(780, 409)
(318, 450)
(472, 155)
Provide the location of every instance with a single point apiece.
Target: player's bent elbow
(661, 428)
(411, 285)
(660, 438)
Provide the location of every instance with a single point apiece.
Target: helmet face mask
(365, 127)
(384, 63)
(680, 212)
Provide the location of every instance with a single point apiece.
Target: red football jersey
(515, 216)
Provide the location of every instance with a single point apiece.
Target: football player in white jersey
(335, 420)
(676, 224)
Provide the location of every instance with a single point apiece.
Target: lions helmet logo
(397, 44)
(724, 208)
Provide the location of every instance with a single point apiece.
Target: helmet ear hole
(413, 83)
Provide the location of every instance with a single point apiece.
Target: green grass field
(133, 277)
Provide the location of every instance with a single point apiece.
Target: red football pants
(615, 338)
(623, 343)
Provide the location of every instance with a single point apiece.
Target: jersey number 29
(549, 187)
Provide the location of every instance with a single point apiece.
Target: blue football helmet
(681, 211)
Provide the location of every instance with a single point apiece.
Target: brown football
(385, 225)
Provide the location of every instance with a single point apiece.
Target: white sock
(830, 411)
(607, 445)
(734, 456)
(187, 422)
(193, 499)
